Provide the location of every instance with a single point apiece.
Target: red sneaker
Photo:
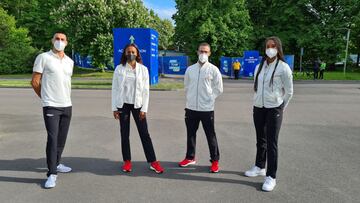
(214, 167)
(155, 166)
(127, 166)
(187, 162)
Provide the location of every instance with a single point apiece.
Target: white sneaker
(255, 171)
(63, 169)
(269, 184)
(51, 181)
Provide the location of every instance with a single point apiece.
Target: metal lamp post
(347, 46)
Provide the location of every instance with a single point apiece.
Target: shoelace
(254, 169)
(267, 180)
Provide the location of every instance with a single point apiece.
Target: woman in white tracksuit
(130, 94)
(273, 89)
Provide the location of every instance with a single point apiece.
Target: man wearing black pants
(51, 81)
(57, 122)
(192, 121)
(203, 84)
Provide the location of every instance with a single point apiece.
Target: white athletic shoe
(51, 181)
(255, 171)
(269, 184)
(63, 169)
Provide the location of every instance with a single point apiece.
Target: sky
(164, 8)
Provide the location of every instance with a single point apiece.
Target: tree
(317, 25)
(355, 38)
(165, 29)
(89, 25)
(34, 15)
(83, 20)
(101, 52)
(224, 24)
(16, 52)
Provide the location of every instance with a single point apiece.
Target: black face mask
(130, 57)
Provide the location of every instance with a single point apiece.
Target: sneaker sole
(47, 187)
(153, 169)
(191, 163)
(63, 171)
(254, 175)
(126, 171)
(267, 190)
(214, 171)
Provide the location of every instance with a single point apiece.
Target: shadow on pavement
(106, 167)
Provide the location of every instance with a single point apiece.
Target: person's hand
(142, 115)
(116, 115)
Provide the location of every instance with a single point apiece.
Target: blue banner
(175, 65)
(226, 66)
(290, 61)
(251, 60)
(82, 61)
(147, 42)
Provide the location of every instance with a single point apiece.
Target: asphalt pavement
(319, 148)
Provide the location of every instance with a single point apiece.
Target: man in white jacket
(203, 84)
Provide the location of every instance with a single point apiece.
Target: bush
(16, 52)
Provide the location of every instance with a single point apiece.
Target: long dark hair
(280, 56)
(123, 59)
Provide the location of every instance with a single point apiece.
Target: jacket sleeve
(287, 80)
(255, 71)
(186, 80)
(145, 91)
(217, 83)
(114, 90)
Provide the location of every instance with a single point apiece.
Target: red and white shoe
(187, 162)
(214, 167)
(155, 166)
(127, 166)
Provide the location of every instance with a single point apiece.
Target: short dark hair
(60, 32)
(123, 56)
(204, 44)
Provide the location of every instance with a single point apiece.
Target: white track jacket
(271, 96)
(203, 84)
(141, 89)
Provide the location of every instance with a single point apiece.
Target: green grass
(168, 86)
(77, 73)
(329, 76)
(15, 76)
(92, 79)
(15, 83)
(91, 73)
(89, 84)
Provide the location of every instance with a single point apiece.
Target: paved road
(319, 150)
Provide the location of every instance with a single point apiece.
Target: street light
(347, 46)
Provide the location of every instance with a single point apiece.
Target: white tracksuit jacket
(141, 90)
(202, 86)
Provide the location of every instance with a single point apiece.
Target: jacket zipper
(264, 77)
(197, 91)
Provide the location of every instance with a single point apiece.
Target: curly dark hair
(123, 59)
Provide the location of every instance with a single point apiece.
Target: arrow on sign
(132, 39)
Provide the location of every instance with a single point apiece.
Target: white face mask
(59, 45)
(271, 52)
(203, 58)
